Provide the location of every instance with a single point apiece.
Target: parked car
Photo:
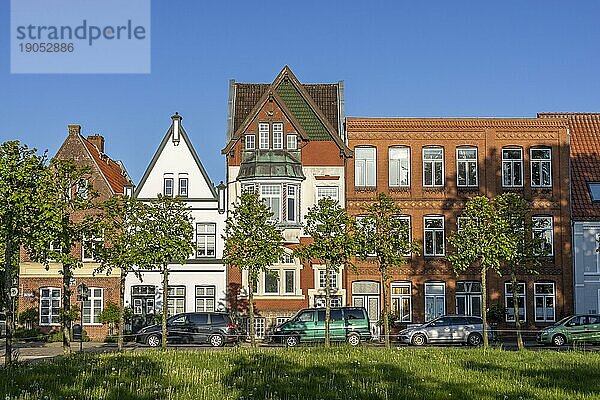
(448, 329)
(575, 328)
(349, 324)
(215, 328)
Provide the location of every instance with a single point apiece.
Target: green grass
(310, 373)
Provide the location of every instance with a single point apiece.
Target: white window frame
(85, 239)
(328, 191)
(365, 168)
(259, 327)
(434, 232)
(263, 135)
(402, 296)
(333, 279)
(180, 186)
(547, 232)
(467, 162)
(433, 162)
(520, 295)
(396, 165)
(51, 316)
(512, 164)
(286, 264)
(267, 196)
(93, 312)
(435, 297)
(291, 194)
(292, 141)
(544, 296)
(539, 164)
(82, 188)
(250, 142)
(468, 296)
(203, 237)
(204, 296)
(278, 136)
(173, 297)
(277, 277)
(165, 186)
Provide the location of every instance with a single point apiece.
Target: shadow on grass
(87, 377)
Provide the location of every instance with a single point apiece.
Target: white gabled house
(199, 284)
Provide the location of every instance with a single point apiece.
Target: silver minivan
(453, 329)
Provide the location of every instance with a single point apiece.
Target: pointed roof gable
(182, 134)
(249, 99)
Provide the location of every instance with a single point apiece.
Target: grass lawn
(310, 373)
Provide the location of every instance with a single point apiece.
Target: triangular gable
(183, 134)
(298, 103)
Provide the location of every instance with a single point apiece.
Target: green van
(349, 324)
(577, 328)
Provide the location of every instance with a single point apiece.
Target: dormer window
(263, 136)
(250, 142)
(278, 136)
(292, 142)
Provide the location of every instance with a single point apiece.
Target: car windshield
(562, 321)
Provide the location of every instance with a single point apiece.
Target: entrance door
(143, 300)
(366, 294)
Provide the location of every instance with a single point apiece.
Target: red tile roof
(585, 161)
(111, 170)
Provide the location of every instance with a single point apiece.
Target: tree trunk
(486, 341)
(165, 307)
(8, 300)
(251, 310)
(327, 303)
(121, 326)
(513, 281)
(386, 322)
(66, 320)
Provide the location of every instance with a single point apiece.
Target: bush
(110, 339)
(57, 336)
(34, 334)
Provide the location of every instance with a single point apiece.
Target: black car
(215, 328)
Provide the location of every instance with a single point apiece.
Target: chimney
(74, 129)
(98, 141)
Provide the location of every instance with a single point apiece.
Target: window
(364, 166)
(334, 301)
(434, 236)
(402, 301)
(512, 167)
(433, 167)
(399, 165)
(259, 327)
(509, 303)
(248, 188)
(544, 302)
(250, 142)
(327, 191)
(168, 187)
(183, 187)
(594, 188)
(435, 300)
(292, 202)
(468, 298)
(143, 299)
(289, 281)
(87, 247)
(205, 240)
(263, 135)
(175, 300)
(405, 219)
(205, 298)
(49, 306)
(271, 195)
(82, 188)
(55, 248)
(543, 229)
(93, 306)
(292, 142)
(466, 166)
(271, 281)
(541, 167)
(332, 279)
(278, 136)
(281, 320)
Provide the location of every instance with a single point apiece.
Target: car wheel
(354, 339)
(216, 341)
(419, 340)
(559, 340)
(292, 341)
(474, 339)
(153, 340)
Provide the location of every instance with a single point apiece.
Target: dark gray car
(454, 329)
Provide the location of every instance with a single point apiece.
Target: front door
(371, 303)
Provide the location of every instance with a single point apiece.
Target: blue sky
(409, 59)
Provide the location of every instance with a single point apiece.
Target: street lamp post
(82, 296)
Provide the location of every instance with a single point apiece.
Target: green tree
(481, 242)
(252, 243)
(23, 211)
(526, 250)
(333, 245)
(384, 239)
(118, 222)
(164, 236)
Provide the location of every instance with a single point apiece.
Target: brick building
(285, 142)
(41, 288)
(432, 167)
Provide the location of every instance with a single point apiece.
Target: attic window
(594, 188)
